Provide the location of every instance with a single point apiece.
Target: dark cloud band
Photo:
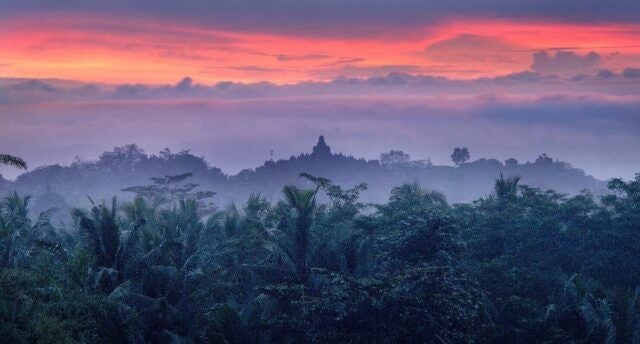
(340, 17)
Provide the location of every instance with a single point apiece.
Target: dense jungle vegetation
(521, 265)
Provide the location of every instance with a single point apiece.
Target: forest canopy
(519, 265)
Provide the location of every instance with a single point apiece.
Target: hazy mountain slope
(129, 166)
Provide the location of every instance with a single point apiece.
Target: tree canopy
(519, 265)
(460, 155)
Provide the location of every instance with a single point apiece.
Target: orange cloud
(125, 49)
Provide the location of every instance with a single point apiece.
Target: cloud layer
(565, 62)
(527, 83)
(591, 121)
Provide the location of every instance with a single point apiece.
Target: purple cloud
(388, 82)
(565, 62)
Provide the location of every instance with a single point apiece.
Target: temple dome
(321, 148)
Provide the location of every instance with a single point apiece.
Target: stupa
(321, 149)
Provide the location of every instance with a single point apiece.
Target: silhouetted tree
(544, 159)
(394, 158)
(460, 155)
(511, 162)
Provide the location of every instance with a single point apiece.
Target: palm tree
(19, 235)
(304, 202)
(15, 227)
(507, 188)
(104, 240)
(14, 161)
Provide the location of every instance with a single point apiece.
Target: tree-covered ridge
(519, 265)
(129, 166)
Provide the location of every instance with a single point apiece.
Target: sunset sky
(506, 78)
(292, 41)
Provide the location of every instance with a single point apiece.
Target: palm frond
(506, 188)
(14, 161)
(278, 252)
(54, 248)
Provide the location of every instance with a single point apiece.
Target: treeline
(66, 187)
(521, 265)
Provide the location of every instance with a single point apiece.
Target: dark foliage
(521, 265)
(7, 159)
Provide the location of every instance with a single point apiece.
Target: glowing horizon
(94, 48)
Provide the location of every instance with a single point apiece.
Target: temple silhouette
(321, 149)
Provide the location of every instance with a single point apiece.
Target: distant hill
(69, 186)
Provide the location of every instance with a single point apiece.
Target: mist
(597, 133)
